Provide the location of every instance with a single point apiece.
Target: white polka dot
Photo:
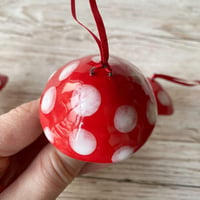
(151, 113)
(85, 100)
(48, 134)
(163, 98)
(125, 119)
(67, 71)
(96, 59)
(122, 154)
(82, 142)
(48, 101)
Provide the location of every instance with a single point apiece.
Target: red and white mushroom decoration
(100, 108)
(98, 118)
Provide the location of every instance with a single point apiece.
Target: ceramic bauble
(95, 117)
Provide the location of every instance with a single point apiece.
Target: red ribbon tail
(180, 81)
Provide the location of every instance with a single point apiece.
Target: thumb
(45, 178)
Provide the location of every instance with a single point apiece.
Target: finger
(20, 161)
(46, 177)
(19, 128)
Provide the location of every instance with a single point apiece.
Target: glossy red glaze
(164, 102)
(98, 118)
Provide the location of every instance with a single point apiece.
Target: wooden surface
(163, 36)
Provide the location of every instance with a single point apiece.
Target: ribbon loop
(102, 41)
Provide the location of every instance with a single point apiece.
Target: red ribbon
(102, 41)
(177, 80)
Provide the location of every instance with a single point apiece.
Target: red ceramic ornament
(96, 108)
(164, 102)
(98, 118)
(101, 109)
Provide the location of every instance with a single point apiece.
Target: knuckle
(56, 172)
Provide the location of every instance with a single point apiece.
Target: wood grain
(37, 37)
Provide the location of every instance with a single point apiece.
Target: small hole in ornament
(92, 73)
(92, 70)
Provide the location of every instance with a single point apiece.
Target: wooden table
(37, 37)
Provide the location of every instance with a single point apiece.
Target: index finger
(19, 128)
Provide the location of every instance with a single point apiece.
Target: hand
(30, 167)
